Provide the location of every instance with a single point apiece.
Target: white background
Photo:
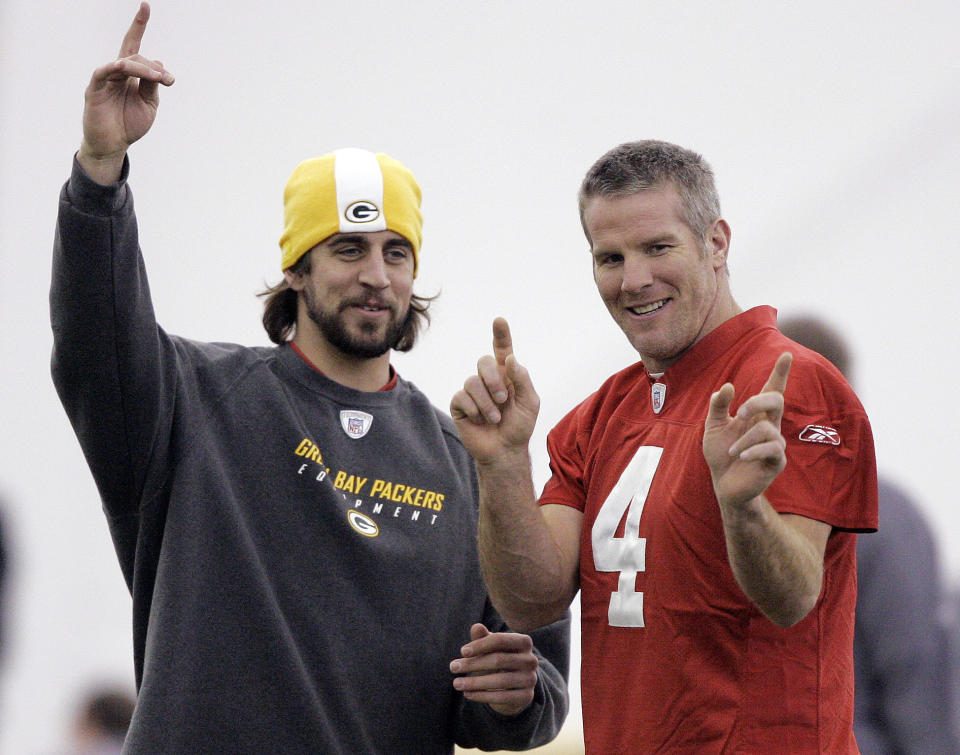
(832, 127)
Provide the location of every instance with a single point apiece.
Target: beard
(368, 343)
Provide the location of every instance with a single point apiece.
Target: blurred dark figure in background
(101, 722)
(952, 620)
(3, 585)
(903, 700)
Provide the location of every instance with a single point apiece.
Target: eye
(397, 253)
(349, 252)
(607, 259)
(659, 248)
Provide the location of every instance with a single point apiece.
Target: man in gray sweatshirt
(296, 523)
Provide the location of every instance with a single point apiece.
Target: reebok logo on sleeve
(820, 434)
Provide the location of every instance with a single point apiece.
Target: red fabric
(707, 673)
(390, 385)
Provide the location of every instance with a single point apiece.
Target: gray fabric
(264, 621)
(901, 658)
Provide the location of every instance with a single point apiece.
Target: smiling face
(356, 294)
(664, 287)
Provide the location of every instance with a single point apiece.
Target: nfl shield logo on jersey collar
(355, 423)
(658, 396)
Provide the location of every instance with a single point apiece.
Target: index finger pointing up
(502, 342)
(131, 42)
(778, 376)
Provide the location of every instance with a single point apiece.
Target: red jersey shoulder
(569, 442)
(600, 405)
(820, 407)
(814, 383)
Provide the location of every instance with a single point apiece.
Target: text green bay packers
(387, 490)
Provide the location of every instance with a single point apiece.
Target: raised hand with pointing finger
(746, 452)
(120, 104)
(496, 411)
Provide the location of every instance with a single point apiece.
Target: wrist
(746, 509)
(510, 710)
(104, 169)
(511, 460)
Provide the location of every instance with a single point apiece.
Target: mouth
(371, 306)
(645, 309)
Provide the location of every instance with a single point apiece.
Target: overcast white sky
(832, 127)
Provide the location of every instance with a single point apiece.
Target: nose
(373, 271)
(637, 273)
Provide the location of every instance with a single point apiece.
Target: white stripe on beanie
(359, 182)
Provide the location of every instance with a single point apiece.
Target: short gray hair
(639, 166)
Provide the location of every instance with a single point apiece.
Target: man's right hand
(496, 411)
(120, 104)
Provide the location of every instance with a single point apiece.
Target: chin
(654, 353)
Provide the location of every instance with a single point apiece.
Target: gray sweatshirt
(903, 698)
(301, 555)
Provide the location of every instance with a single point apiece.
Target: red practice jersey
(676, 659)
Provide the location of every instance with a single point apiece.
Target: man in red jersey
(704, 505)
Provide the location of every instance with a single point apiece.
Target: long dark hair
(280, 311)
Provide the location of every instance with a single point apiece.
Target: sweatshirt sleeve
(482, 727)
(113, 367)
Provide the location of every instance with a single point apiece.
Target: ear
(294, 280)
(718, 243)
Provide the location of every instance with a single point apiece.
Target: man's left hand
(746, 452)
(500, 669)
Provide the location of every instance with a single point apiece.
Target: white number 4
(627, 554)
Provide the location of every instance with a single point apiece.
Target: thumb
(149, 91)
(478, 632)
(720, 403)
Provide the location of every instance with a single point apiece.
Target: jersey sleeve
(565, 448)
(831, 472)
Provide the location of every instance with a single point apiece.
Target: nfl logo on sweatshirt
(355, 423)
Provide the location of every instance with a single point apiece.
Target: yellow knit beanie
(348, 191)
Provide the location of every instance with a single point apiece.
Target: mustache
(368, 301)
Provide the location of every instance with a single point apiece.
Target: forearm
(527, 574)
(106, 362)
(778, 568)
(98, 293)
